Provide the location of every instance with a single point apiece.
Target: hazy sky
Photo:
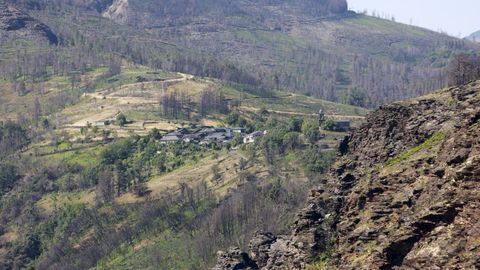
(456, 17)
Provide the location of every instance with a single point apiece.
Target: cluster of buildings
(209, 135)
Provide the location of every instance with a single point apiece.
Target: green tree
(216, 175)
(8, 178)
(292, 140)
(237, 139)
(316, 161)
(356, 97)
(312, 134)
(329, 124)
(155, 134)
(121, 120)
(295, 124)
(232, 118)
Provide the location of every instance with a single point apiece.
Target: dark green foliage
(31, 248)
(317, 161)
(274, 139)
(275, 189)
(234, 119)
(8, 177)
(198, 221)
(329, 124)
(155, 134)
(357, 97)
(311, 131)
(237, 139)
(136, 159)
(118, 151)
(292, 140)
(121, 120)
(12, 138)
(312, 134)
(295, 124)
(216, 172)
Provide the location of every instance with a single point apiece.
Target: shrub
(121, 120)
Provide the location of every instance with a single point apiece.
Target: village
(209, 134)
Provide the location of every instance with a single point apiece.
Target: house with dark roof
(179, 132)
(342, 125)
(199, 136)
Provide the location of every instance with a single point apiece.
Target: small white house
(170, 139)
(252, 137)
(239, 130)
(102, 123)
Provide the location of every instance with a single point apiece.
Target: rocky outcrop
(117, 12)
(16, 24)
(234, 259)
(404, 196)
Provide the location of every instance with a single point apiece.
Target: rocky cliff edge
(404, 194)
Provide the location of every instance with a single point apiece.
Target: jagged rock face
(415, 170)
(17, 24)
(118, 12)
(404, 196)
(234, 259)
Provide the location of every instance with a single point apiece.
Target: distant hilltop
(474, 37)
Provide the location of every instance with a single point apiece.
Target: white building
(252, 137)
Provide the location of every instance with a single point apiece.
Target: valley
(233, 135)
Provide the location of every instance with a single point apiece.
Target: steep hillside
(403, 195)
(316, 47)
(70, 169)
(17, 25)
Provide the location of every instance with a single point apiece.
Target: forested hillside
(85, 181)
(319, 48)
(76, 194)
(151, 134)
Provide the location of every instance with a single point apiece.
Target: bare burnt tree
(36, 111)
(212, 101)
(171, 105)
(463, 69)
